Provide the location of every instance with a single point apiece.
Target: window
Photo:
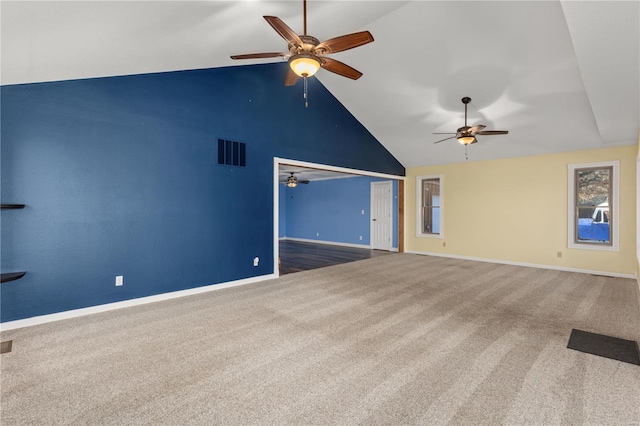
(429, 206)
(593, 206)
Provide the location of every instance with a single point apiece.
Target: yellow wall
(638, 211)
(515, 210)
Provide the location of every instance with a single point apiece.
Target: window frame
(419, 232)
(614, 207)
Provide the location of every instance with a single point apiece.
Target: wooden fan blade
(340, 68)
(446, 133)
(306, 182)
(345, 42)
(493, 132)
(444, 139)
(260, 55)
(291, 79)
(284, 30)
(476, 129)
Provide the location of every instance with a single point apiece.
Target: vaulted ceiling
(560, 76)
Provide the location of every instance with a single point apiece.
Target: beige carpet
(399, 339)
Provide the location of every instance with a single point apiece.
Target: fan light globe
(466, 140)
(304, 65)
(292, 181)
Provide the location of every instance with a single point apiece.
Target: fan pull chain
(306, 98)
(466, 152)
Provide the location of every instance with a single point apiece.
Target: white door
(381, 215)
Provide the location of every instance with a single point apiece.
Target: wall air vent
(232, 153)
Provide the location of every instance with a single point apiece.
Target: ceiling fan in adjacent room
(306, 53)
(467, 135)
(292, 181)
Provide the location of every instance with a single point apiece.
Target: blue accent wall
(333, 208)
(120, 177)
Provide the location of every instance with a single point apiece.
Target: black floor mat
(605, 346)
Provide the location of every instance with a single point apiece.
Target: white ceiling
(560, 76)
(310, 174)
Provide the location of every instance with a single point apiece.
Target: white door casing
(381, 215)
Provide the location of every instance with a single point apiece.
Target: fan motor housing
(309, 45)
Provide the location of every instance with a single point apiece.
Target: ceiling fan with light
(306, 53)
(292, 181)
(467, 135)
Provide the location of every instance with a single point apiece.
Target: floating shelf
(10, 276)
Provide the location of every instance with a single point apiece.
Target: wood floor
(296, 256)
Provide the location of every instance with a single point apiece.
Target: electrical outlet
(361, 211)
(444, 244)
(559, 254)
(119, 280)
(360, 237)
(256, 261)
(317, 234)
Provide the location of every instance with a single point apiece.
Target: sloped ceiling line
(606, 42)
(560, 76)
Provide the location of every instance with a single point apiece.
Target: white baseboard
(28, 322)
(528, 265)
(332, 243)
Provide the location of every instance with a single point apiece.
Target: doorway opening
(324, 215)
